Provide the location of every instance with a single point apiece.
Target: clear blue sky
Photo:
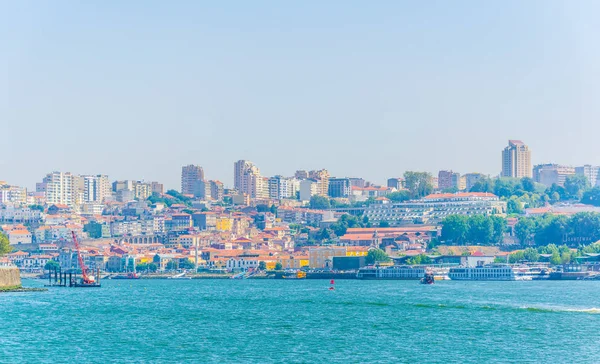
(136, 89)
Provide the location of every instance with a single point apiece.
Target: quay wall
(9, 278)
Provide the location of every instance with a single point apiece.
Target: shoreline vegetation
(13, 289)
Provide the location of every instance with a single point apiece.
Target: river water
(302, 321)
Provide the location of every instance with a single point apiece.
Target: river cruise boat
(392, 272)
(492, 272)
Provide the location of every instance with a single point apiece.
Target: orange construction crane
(87, 279)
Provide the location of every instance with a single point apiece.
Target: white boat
(391, 272)
(180, 276)
(492, 272)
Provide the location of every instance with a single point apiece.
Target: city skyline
(286, 87)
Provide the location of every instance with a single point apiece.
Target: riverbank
(21, 289)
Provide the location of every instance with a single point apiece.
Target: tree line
(473, 229)
(577, 230)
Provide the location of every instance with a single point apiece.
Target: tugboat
(429, 278)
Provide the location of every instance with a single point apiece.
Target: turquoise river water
(301, 321)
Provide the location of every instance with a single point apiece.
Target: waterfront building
(322, 257)
(364, 193)
(357, 182)
(142, 190)
(202, 190)
(516, 160)
(178, 222)
(247, 180)
(206, 220)
(122, 185)
(301, 174)
(448, 179)
(590, 172)
(190, 175)
(322, 179)
(12, 195)
(340, 187)
(21, 215)
(92, 188)
(396, 183)
(308, 188)
(549, 174)
(216, 190)
(471, 179)
(434, 208)
(19, 236)
(462, 183)
(282, 187)
(59, 188)
(91, 209)
(158, 188)
(223, 223)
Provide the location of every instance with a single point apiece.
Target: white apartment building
(59, 188)
(308, 188)
(12, 195)
(590, 172)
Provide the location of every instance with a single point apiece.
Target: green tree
(455, 229)
(418, 260)
(156, 259)
(418, 183)
(528, 184)
(325, 234)
(186, 264)
(481, 229)
(514, 206)
(555, 258)
(347, 221)
(507, 187)
(37, 207)
(319, 203)
(376, 256)
(384, 224)
(575, 185)
(484, 184)
(499, 227)
(278, 266)
(524, 230)
(171, 265)
(551, 229)
(152, 267)
(52, 265)
(556, 193)
(5, 247)
(399, 196)
(531, 254)
(262, 265)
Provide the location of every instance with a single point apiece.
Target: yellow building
(323, 256)
(293, 262)
(224, 224)
(357, 251)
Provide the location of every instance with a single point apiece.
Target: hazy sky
(136, 89)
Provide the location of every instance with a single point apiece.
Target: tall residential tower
(190, 175)
(516, 160)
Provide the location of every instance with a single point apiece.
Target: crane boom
(84, 270)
